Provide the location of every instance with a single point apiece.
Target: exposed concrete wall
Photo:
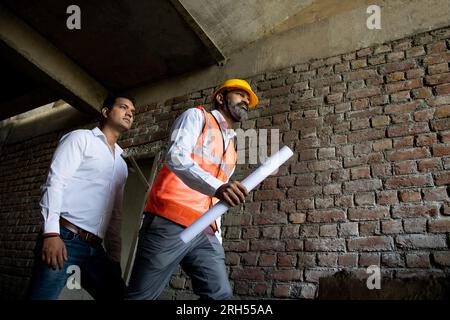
(330, 36)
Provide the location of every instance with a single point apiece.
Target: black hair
(111, 100)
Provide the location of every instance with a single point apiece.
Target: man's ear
(105, 112)
(219, 98)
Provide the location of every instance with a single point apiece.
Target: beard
(238, 113)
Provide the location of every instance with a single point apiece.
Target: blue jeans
(100, 276)
(160, 250)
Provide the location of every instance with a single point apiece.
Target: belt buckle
(86, 237)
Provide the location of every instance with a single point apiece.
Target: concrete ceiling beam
(75, 85)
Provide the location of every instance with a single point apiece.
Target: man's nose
(246, 100)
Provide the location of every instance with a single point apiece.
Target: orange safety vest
(172, 199)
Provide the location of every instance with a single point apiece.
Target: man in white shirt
(81, 206)
(200, 159)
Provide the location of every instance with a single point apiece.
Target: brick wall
(368, 183)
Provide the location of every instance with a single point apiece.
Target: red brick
(418, 260)
(392, 260)
(366, 135)
(365, 198)
(408, 154)
(443, 112)
(417, 225)
(267, 260)
(413, 211)
(403, 142)
(408, 129)
(359, 75)
(421, 93)
(362, 185)
(264, 195)
(426, 139)
(437, 79)
(391, 227)
(442, 258)
(236, 246)
(374, 243)
(285, 275)
(387, 197)
(247, 273)
(401, 108)
(270, 218)
(395, 76)
(439, 226)
(419, 180)
(369, 228)
(348, 260)
(436, 47)
(361, 213)
(294, 245)
(424, 115)
(249, 258)
(369, 259)
(360, 104)
(325, 244)
(250, 233)
(332, 189)
(264, 245)
(435, 194)
(404, 85)
(306, 260)
(297, 217)
(362, 93)
(438, 101)
(405, 167)
(381, 170)
(401, 96)
(443, 89)
(409, 196)
(441, 150)
(415, 73)
(420, 241)
(429, 165)
(327, 259)
(308, 231)
(398, 66)
(442, 178)
(360, 173)
(439, 125)
(331, 215)
(438, 68)
(437, 58)
(281, 290)
(286, 260)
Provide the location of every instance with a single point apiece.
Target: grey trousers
(159, 252)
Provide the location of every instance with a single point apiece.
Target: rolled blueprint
(255, 178)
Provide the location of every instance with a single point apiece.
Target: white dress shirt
(85, 185)
(183, 137)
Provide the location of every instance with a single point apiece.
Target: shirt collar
(223, 123)
(98, 133)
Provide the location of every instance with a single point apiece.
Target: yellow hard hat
(237, 84)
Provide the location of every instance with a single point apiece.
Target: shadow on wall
(344, 286)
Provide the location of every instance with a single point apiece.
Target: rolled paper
(256, 177)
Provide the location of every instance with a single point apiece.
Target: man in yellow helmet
(199, 162)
